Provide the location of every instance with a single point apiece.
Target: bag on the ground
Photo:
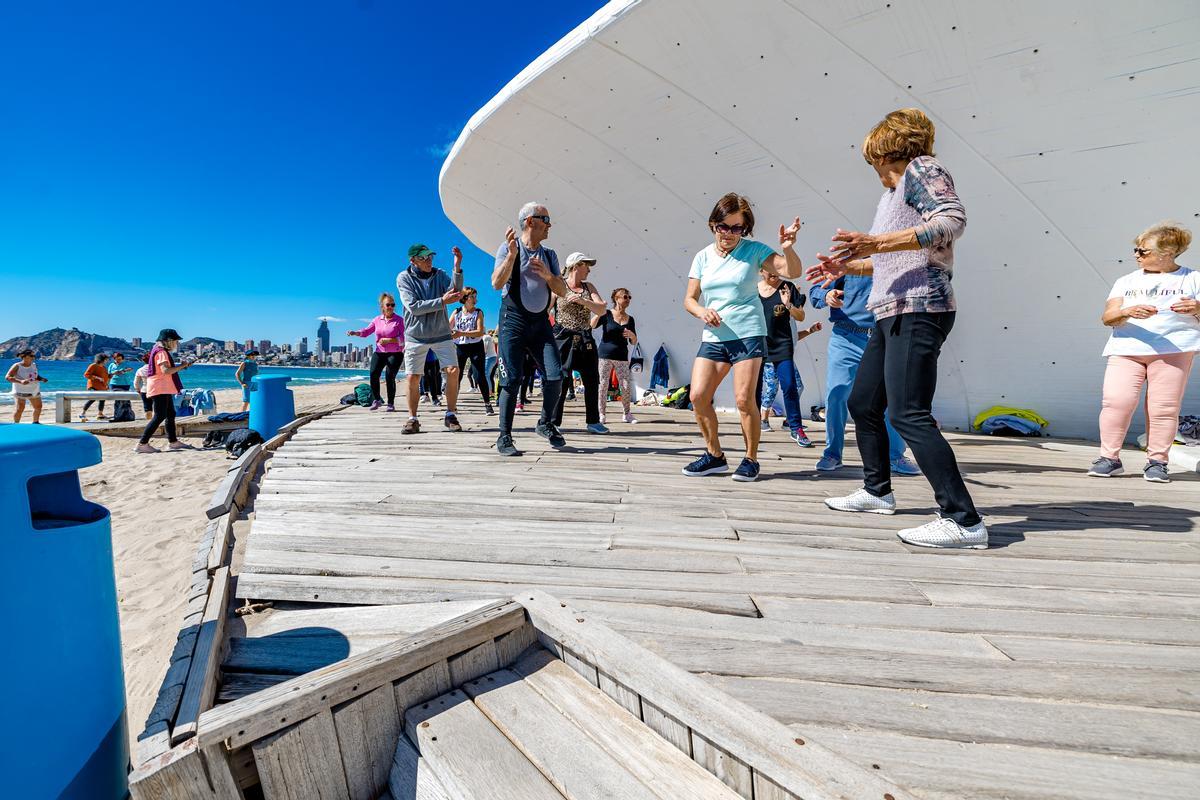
(349, 399)
(679, 397)
(241, 440)
(123, 411)
(363, 393)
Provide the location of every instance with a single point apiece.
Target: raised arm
(411, 303)
(786, 263)
(504, 266)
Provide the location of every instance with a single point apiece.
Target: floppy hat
(167, 334)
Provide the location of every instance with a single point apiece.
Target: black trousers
(898, 374)
(433, 379)
(88, 404)
(521, 334)
(577, 352)
(164, 411)
(473, 352)
(391, 362)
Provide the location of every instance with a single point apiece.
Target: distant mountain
(196, 341)
(60, 344)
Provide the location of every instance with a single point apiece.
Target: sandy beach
(157, 504)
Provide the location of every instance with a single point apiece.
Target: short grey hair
(527, 211)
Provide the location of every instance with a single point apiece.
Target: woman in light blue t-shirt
(723, 292)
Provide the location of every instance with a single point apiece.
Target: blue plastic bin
(66, 736)
(271, 404)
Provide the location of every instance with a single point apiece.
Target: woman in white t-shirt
(1155, 316)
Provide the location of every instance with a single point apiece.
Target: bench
(62, 406)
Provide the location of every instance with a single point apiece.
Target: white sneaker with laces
(862, 500)
(944, 532)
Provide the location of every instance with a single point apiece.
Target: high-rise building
(264, 345)
(136, 342)
(230, 346)
(323, 337)
(302, 346)
(249, 344)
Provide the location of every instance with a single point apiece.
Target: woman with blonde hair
(388, 328)
(1154, 314)
(910, 252)
(618, 332)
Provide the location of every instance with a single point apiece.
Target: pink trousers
(1165, 378)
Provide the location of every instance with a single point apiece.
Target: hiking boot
(829, 464)
(862, 500)
(747, 471)
(945, 533)
(800, 437)
(375, 405)
(487, 409)
(548, 430)
(505, 446)
(452, 424)
(1106, 468)
(1156, 472)
(146, 448)
(597, 428)
(412, 426)
(905, 466)
(707, 464)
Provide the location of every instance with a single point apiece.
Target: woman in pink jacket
(388, 328)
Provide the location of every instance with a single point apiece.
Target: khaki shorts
(415, 355)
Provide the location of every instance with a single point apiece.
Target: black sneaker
(707, 464)
(747, 471)
(505, 446)
(548, 430)
(487, 409)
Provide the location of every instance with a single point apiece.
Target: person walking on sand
(26, 386)
(527, 273)
(425, 292)
(245, 374)
(910, 252)
(722, 292)
(467, 323)
(1154, 314)
(388, 357)
(97, 381)
(618, 332)
(162, 384)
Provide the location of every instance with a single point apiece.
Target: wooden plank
(219, 552)
(622, 694)
(656, 762)
(411, 777)
(1078, 601)
(510, 646)
(360, 621)
(223, 498)
(285, 655)
(201, 685)
(302, 762)
(479, 660)
(421, 686)
(473, 759)
(586, 670)
(246, 460)
(1029, 648)
(185, 773)
(767, 789)
(732, 771)
(758, 741)
(574, 763)
(667, 726)
(368, 729)
(253, 717)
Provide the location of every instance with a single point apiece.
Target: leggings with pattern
(624, 383)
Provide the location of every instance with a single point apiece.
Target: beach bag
(636, 359)
(680, 397)
(214, 439)
(241, 440)
(363, 393)
(349, 399)
(123, 411)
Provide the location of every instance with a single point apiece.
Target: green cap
(420, 251)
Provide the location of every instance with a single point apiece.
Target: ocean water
(68, 376)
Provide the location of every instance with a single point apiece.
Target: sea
(68, 376)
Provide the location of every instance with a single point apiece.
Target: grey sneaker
(905, 466)
(862, 500)
(1106, 468)
(945, 533)
(550, 431)
(829, 464)
(505, 446)
(1156, 472)
(766, 425)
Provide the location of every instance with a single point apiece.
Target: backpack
(363, 392)
(241, 440)
(680, 397)
(122, 411)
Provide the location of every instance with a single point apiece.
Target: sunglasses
(389, 305)
(1141, 252)
(736, 230)
(543, 217)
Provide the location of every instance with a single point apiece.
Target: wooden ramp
(1064, 662)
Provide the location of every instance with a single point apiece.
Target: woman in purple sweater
(388, 328)
(910, 253)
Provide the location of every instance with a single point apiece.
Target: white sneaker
(630, 419)
(862, 500)
(946, 533)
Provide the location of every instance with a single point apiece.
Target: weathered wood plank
(374, 621)
(368, 729)
(201, 685)
(302, 762)
(479, 660)
(622, 694)
(411, 777)
(422, 686)
(511, 645)
(185, 773)
(732, 771)
(587, 671)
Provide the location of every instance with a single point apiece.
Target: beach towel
(996, 411)
(363, 393)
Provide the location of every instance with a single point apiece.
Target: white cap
(579, 258)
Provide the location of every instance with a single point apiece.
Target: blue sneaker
(597, 427)
(829, 464)
(707, 464)
(747, 471)
(801, 438)
(905, 466)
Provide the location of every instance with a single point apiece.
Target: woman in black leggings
(162, 384)
(467, 324)
(388, 328)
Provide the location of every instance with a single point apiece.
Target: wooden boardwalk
(1064, 662)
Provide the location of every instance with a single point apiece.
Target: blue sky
(237, 169)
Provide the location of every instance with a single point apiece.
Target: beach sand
(157, 504)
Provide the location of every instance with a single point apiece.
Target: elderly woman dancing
(910, 252)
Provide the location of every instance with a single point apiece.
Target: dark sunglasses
(1141, 252)
(543, 217)
(389, 305)
(736, 230)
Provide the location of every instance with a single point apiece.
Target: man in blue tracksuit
(852, 325)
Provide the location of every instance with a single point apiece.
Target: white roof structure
(1068, 128)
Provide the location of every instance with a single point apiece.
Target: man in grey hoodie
(424, 293)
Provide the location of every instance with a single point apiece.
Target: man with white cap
(527, 274)
(575, 314)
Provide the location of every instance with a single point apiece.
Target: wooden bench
(62, 406)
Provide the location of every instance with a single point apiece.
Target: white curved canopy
(1068, 128)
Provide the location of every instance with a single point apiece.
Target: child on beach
(247, 370)
(27, 386)
(97, 381)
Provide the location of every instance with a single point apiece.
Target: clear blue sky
(237, 169)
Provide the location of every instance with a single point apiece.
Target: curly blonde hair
(902, 135)
(1168, 237)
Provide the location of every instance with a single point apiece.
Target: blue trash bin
(272, 404)
(65, 689)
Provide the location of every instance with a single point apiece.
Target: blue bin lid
(270, 379)
(31, 450)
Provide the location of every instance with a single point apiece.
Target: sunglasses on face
(543, 217)
(736, 230)
(389, 305)
(1141, 252)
